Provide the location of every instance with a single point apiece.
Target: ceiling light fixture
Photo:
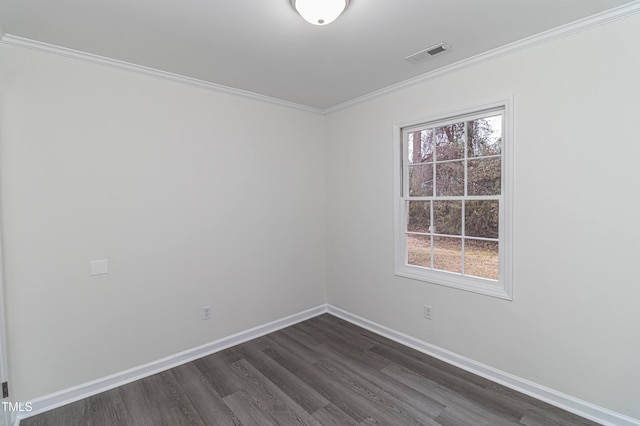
(320, 12)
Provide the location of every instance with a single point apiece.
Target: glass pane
(447, 216)
(481, 259)
(419, 250)
(420, 146)
(419, 218)
(450, 178)
(485, 136)
(481, 218)
(449, 142)
(447, 254)
(484, 176)
(421, 180)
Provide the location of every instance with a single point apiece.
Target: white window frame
(503, 287)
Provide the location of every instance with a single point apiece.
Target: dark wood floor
(323, 371)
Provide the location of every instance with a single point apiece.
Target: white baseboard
(85, 390)
(582, 408)
(566, 402)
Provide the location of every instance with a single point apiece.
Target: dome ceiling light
(320, 12)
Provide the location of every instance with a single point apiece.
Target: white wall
(574, 323)
(194, 196)
(198, 197)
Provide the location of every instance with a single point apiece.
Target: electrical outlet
(206, 312)
(428, 312)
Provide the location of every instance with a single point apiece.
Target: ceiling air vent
(427, 53)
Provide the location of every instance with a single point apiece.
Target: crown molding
(523, 44)
(26, 43)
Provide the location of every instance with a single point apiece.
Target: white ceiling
(265, 47)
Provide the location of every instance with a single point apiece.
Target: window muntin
(452, 205)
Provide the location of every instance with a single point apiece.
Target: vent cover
(427, 53)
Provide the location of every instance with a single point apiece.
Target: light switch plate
(99, 267)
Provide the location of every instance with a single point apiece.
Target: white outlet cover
(99, 267)
(428, 312)
(206, 312)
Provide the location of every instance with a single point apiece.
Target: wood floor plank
(432, 363)
(73, 414)
(145, 397)
(457, 381)
(247, 410)
(266, 394)
(200, 392)
(453, 400)
(386, 407)
(323, 371)
(294, 346)
(462, 416)
(331, 415)
(342, 345)
(217, 369)
(311, 341)
(348, 327)
(107, 408)
(355, 407)
(296, 389)
(553, 417)
(536, 409)
(395, 389)
(356, 338)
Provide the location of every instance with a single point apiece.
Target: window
(453, 206)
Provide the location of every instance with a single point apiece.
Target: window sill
(466, 283)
